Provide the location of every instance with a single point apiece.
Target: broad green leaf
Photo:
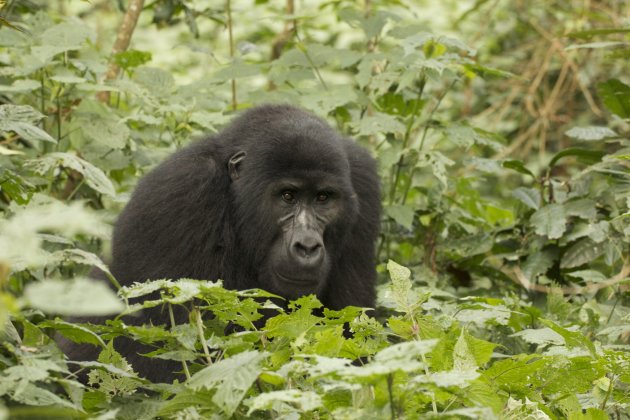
(589, 157)
(584, 208)
(401, 357)
(231, 378)
(466, 136)
(107, 133)
(76, 297)
(550, 221)
(588, 276)
(299, 401)
(528, 196)
(591, 133)
(21, 86)
(74, 332)
(22, 120)
(20, 239)
(237, 70)
(403, 215)
(616, 97)
(581, 252)
(401, 283)
(379, 123)
(94, 177)
(518, 166)
(67, 36)
(572, 337)
(539, 262)
(540, 336)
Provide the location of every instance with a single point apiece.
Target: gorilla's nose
(307, 250)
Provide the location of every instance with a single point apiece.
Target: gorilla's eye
(288, 196)
(322, 197)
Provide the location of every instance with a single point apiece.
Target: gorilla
(278, 200)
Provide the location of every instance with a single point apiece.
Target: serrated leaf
(540, 336)
(67, 36)
(300, 401)
(539, 262)
(74, 332)
(401, 283)
(20, 240)
(550, 221)
(21, 86)
(94, 177)
(79, 296)
(22, 120)
(231, 378)
(584, 208)
(591, 133)
(581, 252)
(528, 196)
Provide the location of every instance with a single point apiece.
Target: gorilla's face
(297, 208)
(298, 261)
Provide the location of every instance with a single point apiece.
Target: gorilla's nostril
(307, 250)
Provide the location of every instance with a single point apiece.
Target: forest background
(502, 132)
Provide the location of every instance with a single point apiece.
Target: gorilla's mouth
(299, 280)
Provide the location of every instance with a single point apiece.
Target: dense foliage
(502, 131)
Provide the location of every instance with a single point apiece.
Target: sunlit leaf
(550, 221)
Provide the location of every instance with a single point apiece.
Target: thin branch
(517, 275)
(231, 41)
(123, 39)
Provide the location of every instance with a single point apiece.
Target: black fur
(208, 213)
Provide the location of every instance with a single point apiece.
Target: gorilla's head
(293, 195)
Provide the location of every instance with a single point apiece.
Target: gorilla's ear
(234, 163)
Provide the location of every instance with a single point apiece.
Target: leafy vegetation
(502, 134)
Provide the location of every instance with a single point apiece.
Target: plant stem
(231, 41)
(390, 382)
(202, 337)
(172, 319)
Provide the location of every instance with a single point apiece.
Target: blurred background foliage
(501, 129)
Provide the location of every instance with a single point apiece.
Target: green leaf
(21, 86)
(616, 97)
(528, 196)
(94, 177)
(594, 32)
(518, 166)
(68, 36)
(79, 297)
(74, 332)
(581, 252)
(470, 352)
(293, 400)
(539, 336)
(588, 157)
(403, 215)
(584, 208)
(22, 120)
(591, 133)
(231, 378)
(550, 221)
(20, 239)
(401, 283)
